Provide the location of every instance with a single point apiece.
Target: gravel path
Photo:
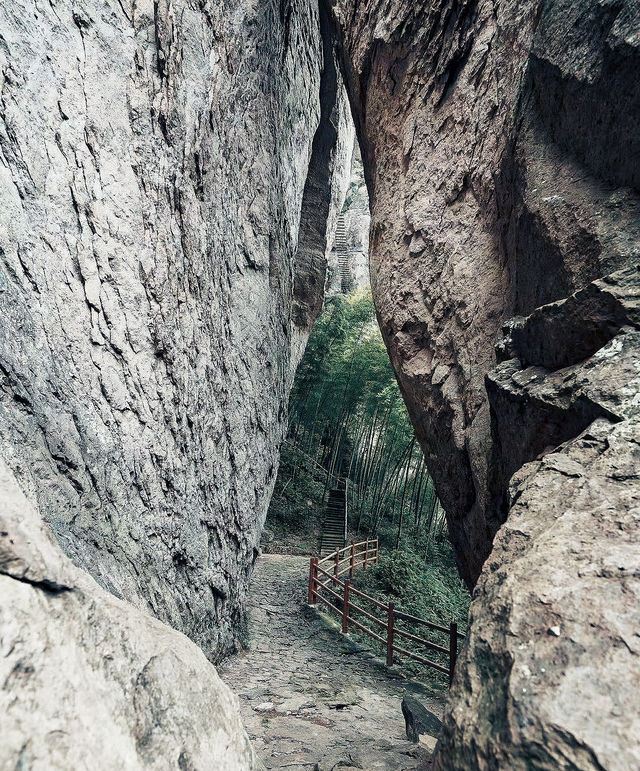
(310, 698)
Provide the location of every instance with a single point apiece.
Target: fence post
(366, 551)
(390, 620)
(312, 576)
(453, 649)
(352, 561)
(336, 559)
(377, 549)
(345, 606)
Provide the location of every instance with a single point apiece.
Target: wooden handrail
(418, 620)
(345, 607)
(421, 659)
(331, 557)
(367, 630)
(422, 641)
(366, 597)
(365, 613)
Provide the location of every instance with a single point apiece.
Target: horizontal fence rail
(326, 587)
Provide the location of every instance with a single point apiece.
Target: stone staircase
(340, 248)
(332, 537)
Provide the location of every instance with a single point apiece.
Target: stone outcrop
(500, 143)
(154, 173)
(88, 679)
(551, 669)
(483, 206)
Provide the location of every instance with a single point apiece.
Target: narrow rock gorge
(171, 175)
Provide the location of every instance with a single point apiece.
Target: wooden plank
(366, 630)
(328, 575)
(366, 597)
(422, 660)
(330, 604)
(420, 640)
(331, 592)
(366, 614)
(415, 619)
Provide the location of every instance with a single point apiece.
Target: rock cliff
(348, 260)
(483, 204)
(155, 174)
(170, 175)
(500, 144)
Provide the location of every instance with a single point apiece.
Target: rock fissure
(171, 177)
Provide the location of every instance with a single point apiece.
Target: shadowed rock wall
(500, 142)
(482, 207)
(153, 162)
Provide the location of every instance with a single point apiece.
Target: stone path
(310, 698)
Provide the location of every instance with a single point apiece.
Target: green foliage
(424, 584)
(347, 415)
(348, 421)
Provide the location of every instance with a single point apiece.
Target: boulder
(87, 680)
(419, 721)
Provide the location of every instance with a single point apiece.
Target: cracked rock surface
(501, 150)
(155, 160)
(86, 678)
(551, 669)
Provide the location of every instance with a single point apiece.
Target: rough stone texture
(550, 674)
(153, 161)
(86, 678)
(418, 719)
(501, 149)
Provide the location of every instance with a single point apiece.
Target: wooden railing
(326, 587)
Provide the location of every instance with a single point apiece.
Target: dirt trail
(310, 698)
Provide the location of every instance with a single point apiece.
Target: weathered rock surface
(155, 159)
(493, 136)
(348, 260)
(501, 149)
(550, 674)
(87, 680)
(419, 721)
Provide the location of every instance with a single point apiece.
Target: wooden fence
(325, 586)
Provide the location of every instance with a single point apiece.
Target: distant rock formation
(348, 259)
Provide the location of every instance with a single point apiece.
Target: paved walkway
(310, 698)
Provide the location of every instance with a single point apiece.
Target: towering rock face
(501, 148)
(492, 136)
(154, 164)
